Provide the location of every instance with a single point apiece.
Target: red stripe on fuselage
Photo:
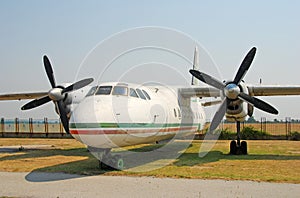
(120, 131)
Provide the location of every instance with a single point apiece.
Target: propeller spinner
(57, 94)
(232, 90)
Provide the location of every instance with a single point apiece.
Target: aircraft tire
(118, 162)
(103, 166)
(233, 147)
(244, 148)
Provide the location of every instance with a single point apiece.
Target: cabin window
(119, 90)
(92, 91)
(133, 93)
(179, 113)
(146, 94)
(104, 90)
(140, 93)
(175, 114)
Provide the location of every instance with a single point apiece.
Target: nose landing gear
(107, 161)
(237, 147)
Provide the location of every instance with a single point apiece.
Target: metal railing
(31, 128)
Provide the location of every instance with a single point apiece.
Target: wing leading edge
(200, 92)
(187, 92)
(23, 96)
(274, 90)
(269, 90)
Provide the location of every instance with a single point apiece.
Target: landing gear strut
(237, 147)
(107, 161)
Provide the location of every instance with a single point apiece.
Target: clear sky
(67, 30)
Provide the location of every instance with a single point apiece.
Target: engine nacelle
(72, 99)
(67, 101)
(238, 110)
(250, 110)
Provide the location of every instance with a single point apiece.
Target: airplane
(118, 114)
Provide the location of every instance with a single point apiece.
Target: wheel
(244, 147)
(118, 162)
(233, 147)
(103, 166)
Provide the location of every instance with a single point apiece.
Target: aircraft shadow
(191, 159)
(37, 176)
(63, 171)
(141, 159)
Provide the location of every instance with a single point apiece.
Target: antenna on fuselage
(195, 81)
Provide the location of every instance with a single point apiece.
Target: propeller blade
(258, 103)
(244, 66)
(36, 103)
(63, 116)
(218, 116)
(49, 71)
(78, 85)
(207, 79)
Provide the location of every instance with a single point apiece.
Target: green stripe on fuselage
(130, 125)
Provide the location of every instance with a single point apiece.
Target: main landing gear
(107, 161)
(237, 147)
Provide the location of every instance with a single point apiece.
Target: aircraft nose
(93, 123)
(92, 110)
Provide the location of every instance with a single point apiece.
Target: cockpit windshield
(99, 90)
(133, 93)
(120, 90)
(104, 90)
(92, 91)
(140, 93)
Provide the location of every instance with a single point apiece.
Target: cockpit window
(92, 91)
(133, 93)
(146, 94)
(140, 93)
(104, 90)
(119, 90)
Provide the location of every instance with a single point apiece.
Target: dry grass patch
(275, 161)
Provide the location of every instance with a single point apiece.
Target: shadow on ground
(153, 155)
(191, 159)
(36, 176)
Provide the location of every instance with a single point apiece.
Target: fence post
(46, 126)
(263, 123)
(288, 127)
(30, 126)
(17, 126)
(2, 126)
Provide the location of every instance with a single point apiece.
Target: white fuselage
(118, 114)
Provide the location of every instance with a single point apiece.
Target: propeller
(232, 90)
(57, 94)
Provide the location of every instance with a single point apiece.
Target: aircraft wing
(199, 92)
(23, 96)
(260, 90)
(275, 90)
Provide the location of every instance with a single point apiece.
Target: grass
(273, 161)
